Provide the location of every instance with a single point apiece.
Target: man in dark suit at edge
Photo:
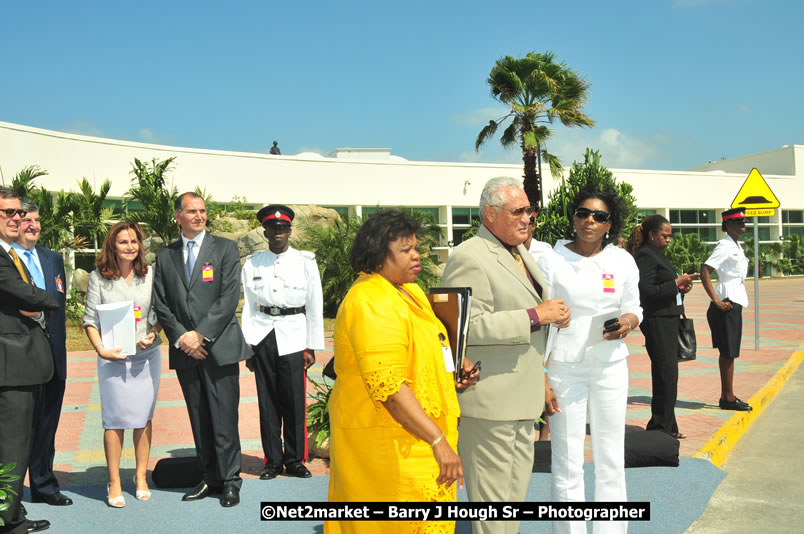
(47, 272)
(196, 293)
(25, 363)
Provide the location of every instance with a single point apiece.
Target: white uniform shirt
(287, 280)
(729, 260)
(605, 282)
(541, 252)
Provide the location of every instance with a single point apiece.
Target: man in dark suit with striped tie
(26, 363)
(47, 271)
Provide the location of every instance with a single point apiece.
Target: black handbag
(687, 345)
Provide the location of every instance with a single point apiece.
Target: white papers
(117, 326)
(596, 325)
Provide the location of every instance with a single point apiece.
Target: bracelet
(95, 346)
(630, 328)
(437, 441)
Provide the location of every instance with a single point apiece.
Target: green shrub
(318, 410)
(75, 302)
(554, 222)
(687, 252)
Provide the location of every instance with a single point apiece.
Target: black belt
(276, 310)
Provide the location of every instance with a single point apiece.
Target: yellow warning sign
(756, 197)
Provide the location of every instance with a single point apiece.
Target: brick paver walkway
(79, 442)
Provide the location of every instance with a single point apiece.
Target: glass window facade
(704, 223)
(461, 222)
(792, 222)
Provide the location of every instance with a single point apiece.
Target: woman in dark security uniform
(660, 290)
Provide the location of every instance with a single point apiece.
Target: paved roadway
(762, 491)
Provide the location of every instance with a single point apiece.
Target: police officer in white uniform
(725, 314)
(283, 322)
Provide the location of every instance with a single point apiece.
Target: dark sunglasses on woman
(598, 215)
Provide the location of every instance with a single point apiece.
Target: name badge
(448, 363)
(59, 284)
(608, 283)
(679, 302)
(137, 314)
(207, 273)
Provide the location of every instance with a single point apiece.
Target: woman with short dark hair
(128, 382)
(393, 410)
(660, 293)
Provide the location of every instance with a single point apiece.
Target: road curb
(717, 449)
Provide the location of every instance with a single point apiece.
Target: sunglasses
(11, 211)
(518, 212)
(598, 215)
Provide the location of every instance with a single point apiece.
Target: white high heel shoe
(116, 502)
(142, 495)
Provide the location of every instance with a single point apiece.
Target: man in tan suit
(507, 332)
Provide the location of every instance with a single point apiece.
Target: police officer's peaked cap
(733, 215)
(275, 214)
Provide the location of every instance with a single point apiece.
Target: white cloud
(304, 148)
(481, 116)
(746, 108)
(83, 127)
(617, 149)
(147, 135)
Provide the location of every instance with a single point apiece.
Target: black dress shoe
(231, 496)
(297, 470)
(270, 472)
(736, 405)
(36, 526)
(199, 492)
(59, 499)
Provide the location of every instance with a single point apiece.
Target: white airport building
(358, 181)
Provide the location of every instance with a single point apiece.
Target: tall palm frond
(154, 198)
(539, 91)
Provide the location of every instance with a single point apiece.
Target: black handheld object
(611, 325)
(469, 373)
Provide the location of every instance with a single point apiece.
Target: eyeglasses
(598, 215)
(518, 212)
(11, 211)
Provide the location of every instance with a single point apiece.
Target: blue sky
(674, 83)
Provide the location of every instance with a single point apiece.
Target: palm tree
(90, 218)
(56, 218)
(149, 188)
(22, 183)
(539, 90)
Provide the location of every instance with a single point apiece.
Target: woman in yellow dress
(394, 410)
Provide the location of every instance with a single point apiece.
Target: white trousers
(603, 387)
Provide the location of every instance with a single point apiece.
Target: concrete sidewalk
(762, 488)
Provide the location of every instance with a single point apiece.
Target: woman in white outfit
(586, 367)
